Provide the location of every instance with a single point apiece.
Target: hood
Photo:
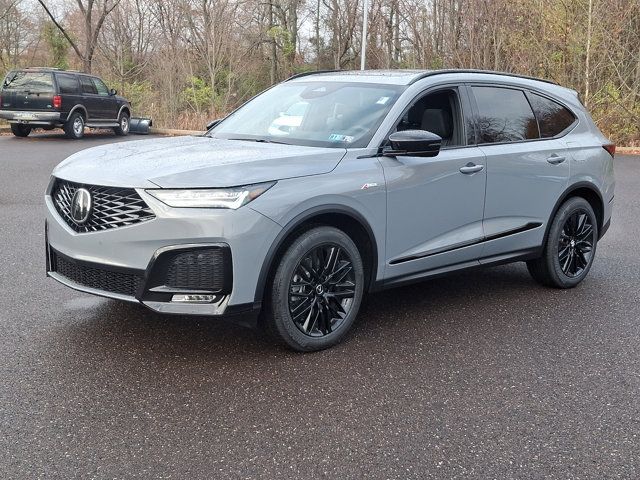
(192, 162)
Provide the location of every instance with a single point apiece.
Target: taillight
(610, 148)
(57, 101)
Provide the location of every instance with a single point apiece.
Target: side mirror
(413, 143)
(213, 123)
(113, 92)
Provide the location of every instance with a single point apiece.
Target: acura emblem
(81, 206)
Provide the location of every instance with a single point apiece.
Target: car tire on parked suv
(20, 130)
(123, 125)
(74, 127)
(316, 291)
(570, 247)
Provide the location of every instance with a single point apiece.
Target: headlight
(233, 198)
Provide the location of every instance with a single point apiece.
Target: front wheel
(123, 125)
(316, 291)
(570, 247)
(20, 130)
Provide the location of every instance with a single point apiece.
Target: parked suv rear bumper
(32, 118)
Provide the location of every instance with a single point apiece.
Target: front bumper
(31, 118)
(96, 261)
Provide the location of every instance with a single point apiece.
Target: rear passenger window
(553, 118)
(88, 86)
(67, 83)
(504, 115)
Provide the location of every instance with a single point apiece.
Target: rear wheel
(74, 128)
(20, 130)
(123, 125)
(316, 291)
(570, 248)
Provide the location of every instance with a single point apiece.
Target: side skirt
(517, 256)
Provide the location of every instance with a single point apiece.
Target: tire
(570, 247)
(123, 125)
(74, 127)
(20, 130)
(316, 291)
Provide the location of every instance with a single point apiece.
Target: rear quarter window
(36, 82)
(504, 115)
(67, 83)
(552, 117)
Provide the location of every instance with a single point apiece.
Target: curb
(173, 132)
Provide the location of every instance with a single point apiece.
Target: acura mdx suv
(332, 185)
(48, 98)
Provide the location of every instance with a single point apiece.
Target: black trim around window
(523, 89)
(463, 96)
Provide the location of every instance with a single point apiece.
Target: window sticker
(382, 100)
(336, 137)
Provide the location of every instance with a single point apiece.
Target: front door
(435, 205)
(109, 105)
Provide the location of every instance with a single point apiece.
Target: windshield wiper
(259, 140)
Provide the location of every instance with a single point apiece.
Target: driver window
(438, 113)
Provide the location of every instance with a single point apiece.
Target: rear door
(69, 90)
(91, 99)
(28, 91)
(526, 174)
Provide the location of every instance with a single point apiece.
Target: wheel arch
(342, 217)
(590, 193)
(82, 110)
(124, 108)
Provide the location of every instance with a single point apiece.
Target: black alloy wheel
(316, 290)
(575, 244)
(570, 246)
(321, 290)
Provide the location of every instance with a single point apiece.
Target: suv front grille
(112, 207)
(123, 283)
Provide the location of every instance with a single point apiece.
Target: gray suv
(331, 185)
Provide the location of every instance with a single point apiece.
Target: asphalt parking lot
(480, 375)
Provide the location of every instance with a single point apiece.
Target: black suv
(49, 98)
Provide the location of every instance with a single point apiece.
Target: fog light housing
(193, 298)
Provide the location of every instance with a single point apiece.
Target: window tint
(438, 113)
(504, 115)
(553, 118)
(100, 86)
(87, 85)
(36, 82)
(67, 83)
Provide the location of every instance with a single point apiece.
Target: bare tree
(94, 13)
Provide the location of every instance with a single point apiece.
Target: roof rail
(471, 70)
(313, 72)
(43, 68)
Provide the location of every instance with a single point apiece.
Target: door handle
(471, 168)
(555, 159)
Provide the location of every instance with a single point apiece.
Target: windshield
(318, 114)
(36, 82)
